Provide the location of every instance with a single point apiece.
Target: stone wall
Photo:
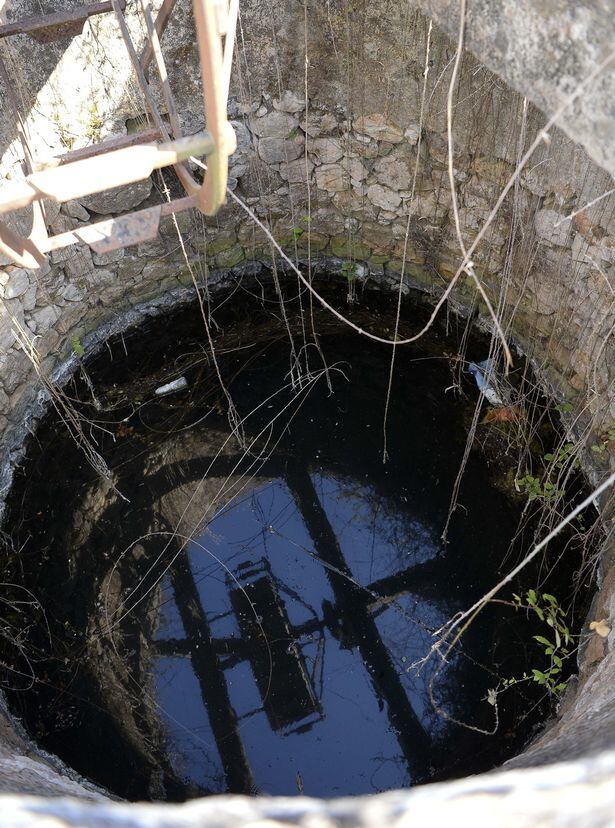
(334, 157)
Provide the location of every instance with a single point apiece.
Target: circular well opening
(229, 588)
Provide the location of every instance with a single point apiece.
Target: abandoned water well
(243, 610)
(355, 126)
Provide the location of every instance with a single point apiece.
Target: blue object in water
(484, 373)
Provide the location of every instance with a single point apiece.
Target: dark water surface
(222, 620)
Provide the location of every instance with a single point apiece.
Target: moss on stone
(317, 242)
(417, 274)
(351, 248)
(377, 260)
(231, 256)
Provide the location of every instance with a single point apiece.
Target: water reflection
(299, 640)
(245, 622)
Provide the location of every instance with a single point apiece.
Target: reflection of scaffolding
(279, 669)
(129, 158)
(270, 642)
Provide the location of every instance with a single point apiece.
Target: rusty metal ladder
(129, 158)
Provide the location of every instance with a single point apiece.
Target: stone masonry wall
(331, 174)
(333, 157)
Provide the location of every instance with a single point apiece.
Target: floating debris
(484, 373)
(172, 387)
(503, 414)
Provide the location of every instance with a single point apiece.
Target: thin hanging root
(385, 454)
(540, 138)
(467, 617)
(66, 411)
(469, 265)
(245, 478)
(233, 416)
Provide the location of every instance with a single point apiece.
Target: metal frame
(130, 158)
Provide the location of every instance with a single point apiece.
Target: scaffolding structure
(126, 159)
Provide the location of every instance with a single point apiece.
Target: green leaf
(531, 597)
(539, 676)
(550, 598)
(542, 640)
(77, 347)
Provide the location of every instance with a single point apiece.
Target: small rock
(17, 284)
(72, 293)
(378, 127)
(289, 102)
(244, 139)
(237, 171)
(80, 263)
(335, 178)
(75, 210)
(386, 216)
(383, 197)
(295, 172)
(108, 258)
(29, 298)
(326, 150)
(278, 150)
(45, 318)
(544, 223)
(101, 278)
(393, 172)
(273, 125)
(331, 178)
(155, 248)
(118, 199)
(411, 133)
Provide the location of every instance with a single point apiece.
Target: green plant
(349, 271)
(536, 489)
(297, 232)
(563, 456)
(78, 348)
(606, 438)
(541, 488)
(555, 644)
(66, 139)
(94, 123)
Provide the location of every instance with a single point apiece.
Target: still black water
(242, 614)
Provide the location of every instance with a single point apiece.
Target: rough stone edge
(567, 794)
(527, 43)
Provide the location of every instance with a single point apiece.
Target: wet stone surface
(241, 611)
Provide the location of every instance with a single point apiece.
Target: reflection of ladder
(284, 684)
(129, 158)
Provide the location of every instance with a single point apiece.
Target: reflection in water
(244, 621)
(311, 624)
